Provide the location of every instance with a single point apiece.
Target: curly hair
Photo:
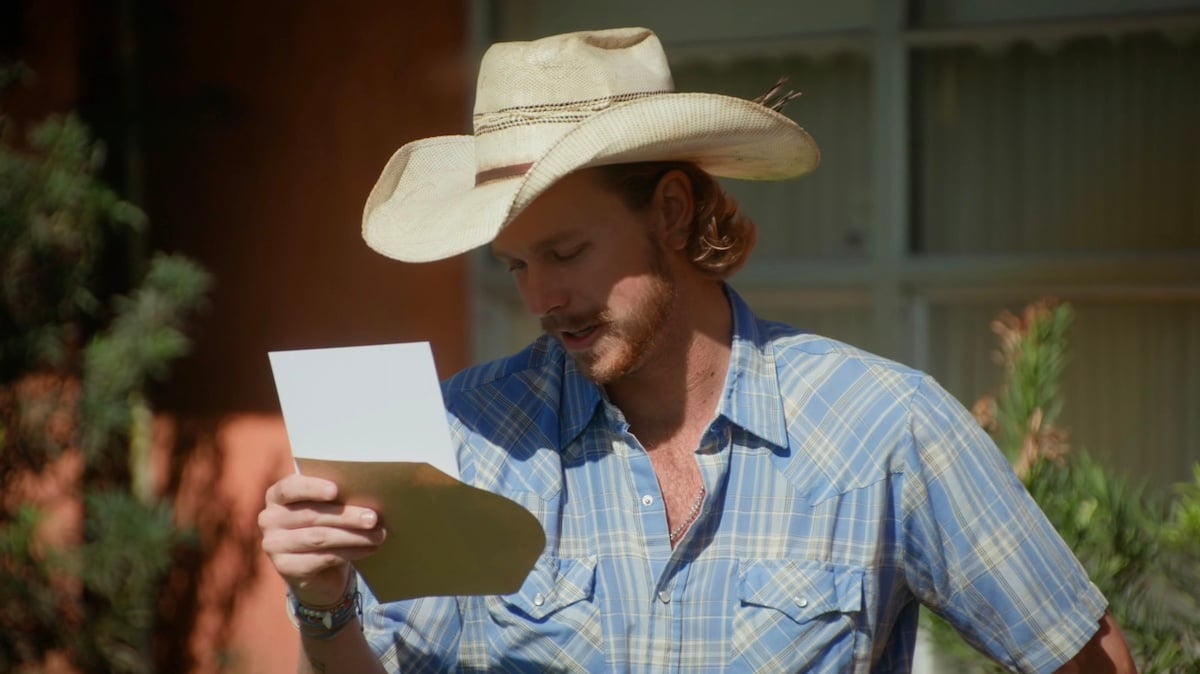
(721, 238)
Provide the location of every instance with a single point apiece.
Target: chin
(605, 369)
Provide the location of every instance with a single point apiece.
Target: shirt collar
(580, 398)
(751, 397)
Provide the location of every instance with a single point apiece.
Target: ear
(676, 207)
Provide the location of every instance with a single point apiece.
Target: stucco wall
(251, 133)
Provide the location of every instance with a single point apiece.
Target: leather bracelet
(326, 622)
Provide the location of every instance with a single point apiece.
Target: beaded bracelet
(326, 622)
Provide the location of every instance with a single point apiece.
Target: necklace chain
(691, 517)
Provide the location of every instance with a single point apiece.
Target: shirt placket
(657, 634)
(669, 569)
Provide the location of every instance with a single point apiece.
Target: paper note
(364, 403)
(371, 419)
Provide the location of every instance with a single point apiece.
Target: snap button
(664, 597)
(801, 602)
(647, 500)
(538, 599)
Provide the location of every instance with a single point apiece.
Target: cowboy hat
(546, 108)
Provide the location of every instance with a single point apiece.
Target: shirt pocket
(796, 616)
(551, 620)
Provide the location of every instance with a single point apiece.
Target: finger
(320, 539)
(296, 488)
(317, 514)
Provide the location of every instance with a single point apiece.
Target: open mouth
(580, 338)
(579, 334)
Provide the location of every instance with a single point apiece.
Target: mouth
(579, 339)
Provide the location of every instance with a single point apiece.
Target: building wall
(251, 133)
(976, 156)
(267, 125)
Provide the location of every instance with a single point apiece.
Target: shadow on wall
(221, 589)
(218, 607)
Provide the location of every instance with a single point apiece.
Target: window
(977, 156)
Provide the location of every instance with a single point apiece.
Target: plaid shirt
(843, 491)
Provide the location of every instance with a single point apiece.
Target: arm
(982, 554)
(311, 540)
(1106, 653)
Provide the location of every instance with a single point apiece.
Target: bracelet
(326, 622)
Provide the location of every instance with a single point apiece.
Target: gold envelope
(444, 537)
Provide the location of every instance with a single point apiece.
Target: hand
(311, 539)
(1106, 653)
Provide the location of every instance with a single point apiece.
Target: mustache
(571, 323)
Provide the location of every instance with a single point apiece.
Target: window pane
(1132, 385)
(938, 13)
(825, 214)
(1092, 147)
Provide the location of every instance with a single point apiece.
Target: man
(718, 493)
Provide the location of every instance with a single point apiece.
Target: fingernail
(368, 518)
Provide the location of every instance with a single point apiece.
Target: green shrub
(74, 365)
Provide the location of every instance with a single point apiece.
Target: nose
(542, 291)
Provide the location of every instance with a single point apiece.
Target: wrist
(325, 621)
(325, 589)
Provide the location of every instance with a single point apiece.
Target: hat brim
(426, 205)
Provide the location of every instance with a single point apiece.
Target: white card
(370, 419)
(364, 403)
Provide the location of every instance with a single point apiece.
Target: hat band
(568, 112)
(501, 172)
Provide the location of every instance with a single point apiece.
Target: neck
(678, 389)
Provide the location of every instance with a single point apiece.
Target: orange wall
(230, 600)
(276, 120)
(263, 126)
(273, 121)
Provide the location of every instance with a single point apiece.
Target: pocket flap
(553, 584)
(802, 590)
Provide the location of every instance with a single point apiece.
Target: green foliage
(28, 596)
(129, 545)
(1127, 540)
(140, 343)
(73, 368)
(1034, 351)
(1141, 549)
(53, 219)
(1183, 527)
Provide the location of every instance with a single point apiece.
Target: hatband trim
(522, 115)
(501, 172)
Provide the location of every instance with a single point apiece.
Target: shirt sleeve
(419, 635)
(980, 553)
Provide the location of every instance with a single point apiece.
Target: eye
(563, 255)
(515, 265)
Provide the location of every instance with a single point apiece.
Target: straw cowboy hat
(546, 108)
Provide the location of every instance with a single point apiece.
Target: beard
(628, 340)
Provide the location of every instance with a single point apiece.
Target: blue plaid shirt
(843, 491)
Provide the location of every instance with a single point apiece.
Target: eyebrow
(553, 241)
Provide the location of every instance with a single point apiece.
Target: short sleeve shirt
(843, 490)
